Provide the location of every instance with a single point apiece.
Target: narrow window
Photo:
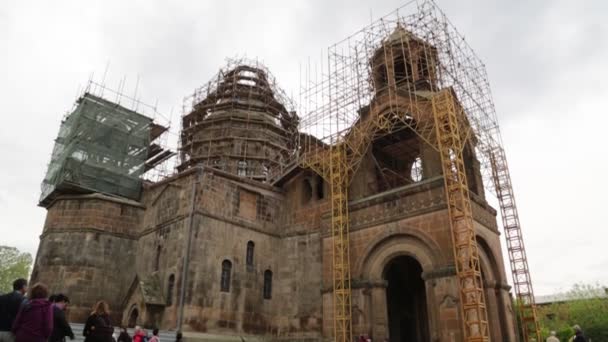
(320, 193)
(157, 261)
(423, 67)
(249, 256)
(267, 284)
(241, 168)
(170, 286)
(225, 281)
(403, 70)
(416, 171)
(306, 191)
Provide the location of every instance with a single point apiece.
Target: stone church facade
(221, 247)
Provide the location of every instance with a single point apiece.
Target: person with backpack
(34, 322)
(98, 327)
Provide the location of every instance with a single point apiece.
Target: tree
(585, 305)
(13, 265)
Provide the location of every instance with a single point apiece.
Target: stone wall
(290, 230)
(87, 250)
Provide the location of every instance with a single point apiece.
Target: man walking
(9, 306)
(61, 328)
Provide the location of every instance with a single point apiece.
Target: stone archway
(406, 300)
(133, 315)
(384, 261)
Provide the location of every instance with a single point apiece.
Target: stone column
(506, 312)
(442, 303)
(379, 311)
(431, 162)
(492, 308)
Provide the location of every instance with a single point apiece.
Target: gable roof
(150, 288)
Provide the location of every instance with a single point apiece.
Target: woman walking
(34, 322)
(98, 327)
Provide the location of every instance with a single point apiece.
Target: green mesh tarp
(101, 147)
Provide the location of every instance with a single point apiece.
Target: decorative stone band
(360, 284)
(441, 272)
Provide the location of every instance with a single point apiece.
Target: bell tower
(404, 62)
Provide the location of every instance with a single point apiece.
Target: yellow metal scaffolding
(412, 72)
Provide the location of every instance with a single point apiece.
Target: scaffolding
(104, 147)
(411, 75)
(240, 122)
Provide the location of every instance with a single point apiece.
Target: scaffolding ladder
(340, 243)
(522, 281)
(466, 254)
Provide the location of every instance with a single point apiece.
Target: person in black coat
(61, 328)
(124, 336)
(98, 327)
(578, 334)
(9, 306)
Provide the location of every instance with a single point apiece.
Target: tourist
(61, 328)
(98, 327)
(9, 306)
(34, 322)
(124, 336)
(578, 334)
(552, 337)
(154, 337)
(139, 335)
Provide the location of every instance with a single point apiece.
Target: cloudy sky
(547, 63)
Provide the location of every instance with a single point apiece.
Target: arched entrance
(133, 317)
(406, 301)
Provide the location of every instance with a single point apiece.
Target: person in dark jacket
(124, 335)
(61, 328)
(578, 334)
(9, 306)
(98, 327)
(34, 322)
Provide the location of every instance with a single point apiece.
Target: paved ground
(169, 336)
(165, 336)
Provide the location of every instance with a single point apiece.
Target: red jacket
(34, 322)
(139, 336)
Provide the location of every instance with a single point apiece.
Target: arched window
(241, 168)
(267, 284)
(416, 171)
(306, 191)
(157, 261)
(225, 281)
(170, 286)
(249, 255)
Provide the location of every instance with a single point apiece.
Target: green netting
(101, 147)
